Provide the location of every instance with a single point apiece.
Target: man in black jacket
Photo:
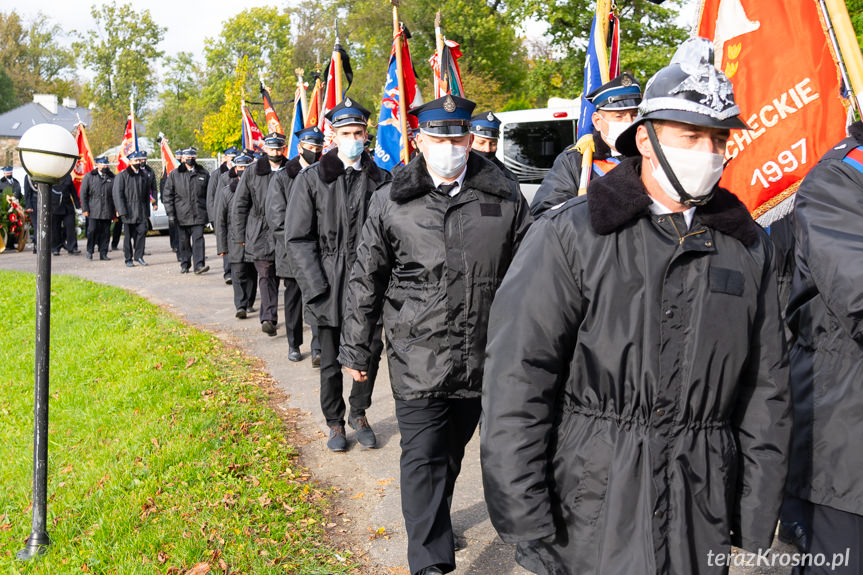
(249, 226)
(185, 199)
(635, 400)
(485, 128)
(824, 314)
(435, 246)
(97, 204)
(616, 104)
(213, 186)
(64, 202)
(9, 182)
(244, 278)
(329, 203)
(311, 142)
(132, 189)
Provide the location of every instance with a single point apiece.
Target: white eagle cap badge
(348, 103)
(490, 117)
(449, 104)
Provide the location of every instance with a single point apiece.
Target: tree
(33, 60)
(121, 51)
(181, 109)
(7, 92)
(222, 129)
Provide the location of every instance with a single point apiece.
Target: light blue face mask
(352, 149)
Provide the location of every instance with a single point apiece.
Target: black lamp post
(48, 153)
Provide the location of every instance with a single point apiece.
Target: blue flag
(592, 81)
(388, 144)
(297, 124)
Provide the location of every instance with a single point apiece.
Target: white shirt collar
(458, 181)
(357, 166)
(658, 209)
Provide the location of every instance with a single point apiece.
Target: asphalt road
(366, 516)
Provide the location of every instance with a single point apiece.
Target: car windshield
(529, 148)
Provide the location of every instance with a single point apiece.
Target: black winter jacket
(249, 218)
(132, 195)
(64, 197)
(276, 206)
(97, 195)
(430, 265)
(635, 399)
(213, 186)
(825, 315)
(185, 195)
(324, 219)
(226, 241)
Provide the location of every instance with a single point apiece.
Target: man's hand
(360, 376)
(86, 214)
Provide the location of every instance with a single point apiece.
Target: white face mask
(696, 171)
(351, 148)
(615, 129)
(446, 160)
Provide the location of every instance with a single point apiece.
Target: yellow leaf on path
(358, 495)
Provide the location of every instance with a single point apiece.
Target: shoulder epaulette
(554, 211)
(854, 158)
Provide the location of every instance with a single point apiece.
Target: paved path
(367, 514)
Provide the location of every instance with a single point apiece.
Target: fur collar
(223, 167)
(413, 180)
(331, 167)
(619, 198)
(293, 167)
(855, 130)
(183, 168)
(603, 150)
(263, 167)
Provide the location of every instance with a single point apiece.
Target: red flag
(273, 123)
(169, 162)
(447, 75)
(788, 89)
(85, 161)
(313, 115)
(128, 145)
(334, 94)
(253, 139)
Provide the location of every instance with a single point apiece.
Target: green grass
(163, 449)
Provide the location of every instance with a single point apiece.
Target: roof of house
(15, 122)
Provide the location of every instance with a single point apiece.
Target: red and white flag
(128, 145)
(169, 161)
(85, 161)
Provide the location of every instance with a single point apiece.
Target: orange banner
(85, 161)
(786, 82)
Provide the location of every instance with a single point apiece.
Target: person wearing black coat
(64, 202)
(31, 206)
(635, 399)
(213, 185)
(825, 318)
(325, 214)
(485, 128)
(132, 192)
(185, 200)
(429, 261)
(616, 104)
(249, 223)
(97, 204)
(309, 146)
(244, 278)
(7, 182)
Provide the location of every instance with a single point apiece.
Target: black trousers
(226, 267)
(98, 235)
(434, 434)
(134, 239)
(332, 380)
(294, 317)
(835, 535)
(191, 246)
(115, 233)
(172, 238)
(268, 287)
(63, 232)
(244, 280)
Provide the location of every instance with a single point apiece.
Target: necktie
(447, 188)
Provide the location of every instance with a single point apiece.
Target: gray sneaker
(337, 442)
(365, 435)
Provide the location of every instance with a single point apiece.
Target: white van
(530, 140)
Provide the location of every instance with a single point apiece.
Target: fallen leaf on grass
(191, 361)
(199, 569)
(161, 556)
(5, 527)
(155, 442)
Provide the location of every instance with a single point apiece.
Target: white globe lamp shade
(48, 152)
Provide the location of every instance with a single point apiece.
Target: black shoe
(365, 435)
(202, 269)
(56, 253)
(129, 264)
(229, 281)
(294, 354)
(268, 328)
(241, 314)
(337, 442)
(316, 359)
(34, 249)
(184, 270)
(104, 257)
(114, 248)
(433, 570)
(74, 252)
(89, 256)
(794, 534)
(459, 542)
(141, 262)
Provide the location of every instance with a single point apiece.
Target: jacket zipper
(683, 237)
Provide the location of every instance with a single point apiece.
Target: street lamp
(48, 153)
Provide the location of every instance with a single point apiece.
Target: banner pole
(403, 103)
(845, 45)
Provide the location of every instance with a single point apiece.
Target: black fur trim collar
(262, 166)
(855, 130)
(603, 150)
(183, 168)
(619, 197)
(413, 180)
(293, 167)
(331, 166)
(223, 167)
